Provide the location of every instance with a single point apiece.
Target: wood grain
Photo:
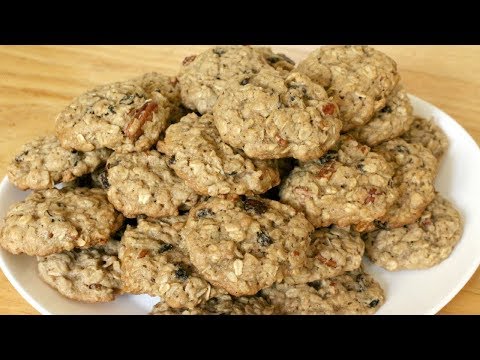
(36, 82)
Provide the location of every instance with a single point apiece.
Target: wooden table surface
(36, 82)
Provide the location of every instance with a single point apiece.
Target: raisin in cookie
(142, 183)
(89, 275)
(359, 78)
(210, 166)
(428, 134)
(271, 117)
(415, 170)
(354, 293)
(154, 262)
(280, 62)
(244, 246)
(349, 185)
(42, 163)
(420, 245)
(52, 221)
(221, 305)
(388, 123)
(120, 116)
(332, 252)
(205, 76)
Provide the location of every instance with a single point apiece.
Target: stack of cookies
(244, 185)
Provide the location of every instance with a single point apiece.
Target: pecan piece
(133, 129)
(328, 262)
(326, 171)
(188, 60)
(281, 141)
(328, 109)
(371, 196)
(142, 254)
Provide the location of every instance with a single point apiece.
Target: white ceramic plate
(407, 292)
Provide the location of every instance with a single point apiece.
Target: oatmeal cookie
(349, 185)
(359, 78)
(428, 134)
(332, 252)
(221, 305)
(210, 166)
(388, 123)
(271, 117)
(415, 171)
(120, 116)
(89, 275)
(52, 221)
(154, 262)
(355, 293)
(245, 245)
(42, 163)
(205, 76)
(142, 183)
(420, 245)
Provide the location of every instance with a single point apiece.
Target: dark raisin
(219, 51)
(330, 155)
(244, 81)
(257, 206)
(104, 180)
(171, 160)
(127, 99)
(19, 158)
(263, 238)
(165, 247)
(182, 272)
(273, 59)
(402, 149)
(373, 303)
(204, 213)
(315, 284)
(380, 225)
(386, 109)
(74, 151)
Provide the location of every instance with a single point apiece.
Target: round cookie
(245, 245)
(420, 245)
(42, 163)
(119, 116)
(52, 221)
(270, 117)
(89, 275)
(169, 87)
(354, 293)
(332, 252)
(210, 166)
(205, 76)
(142, 183)
(388, 123)
(221, 305)
(415, 171)
(359, 78)
(350, 185)
(428, 134)
(154, 262)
